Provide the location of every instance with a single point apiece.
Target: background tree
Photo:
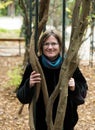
(92, 21)
(9, 8)
(3, 6)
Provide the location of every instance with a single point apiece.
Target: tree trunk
(35, 63)
(79, 24)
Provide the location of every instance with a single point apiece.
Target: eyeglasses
(48, 43)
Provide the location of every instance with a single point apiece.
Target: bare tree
(79, 24)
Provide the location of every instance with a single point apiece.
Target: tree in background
(92, 21)
(4, 6)
(9, 8)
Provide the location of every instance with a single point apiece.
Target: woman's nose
(50, 46)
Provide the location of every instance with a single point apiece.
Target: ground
(10, 106)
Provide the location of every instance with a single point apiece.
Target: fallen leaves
(10, 106)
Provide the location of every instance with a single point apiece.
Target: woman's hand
(34, 78)
(71, 84)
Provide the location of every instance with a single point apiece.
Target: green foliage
(3, 7)
(69, 11)
(9, 33)
(18, 10)
(4, 4)
(15, 77)
(93, 16)
(3, 30)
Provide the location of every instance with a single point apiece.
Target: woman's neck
(53, 58)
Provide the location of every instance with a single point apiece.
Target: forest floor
(10, 106)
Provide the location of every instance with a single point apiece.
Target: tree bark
(43, 15)
(79, 25)
(36, 66)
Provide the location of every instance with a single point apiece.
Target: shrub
(14, 77)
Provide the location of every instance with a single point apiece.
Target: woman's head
(50, 44)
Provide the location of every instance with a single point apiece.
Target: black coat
(75, 98)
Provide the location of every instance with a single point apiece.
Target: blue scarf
(52, 64)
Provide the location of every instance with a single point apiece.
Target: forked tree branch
(35, 63)
(69, 65)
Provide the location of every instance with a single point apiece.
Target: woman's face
(51, 48)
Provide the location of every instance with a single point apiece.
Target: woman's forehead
(51, 38)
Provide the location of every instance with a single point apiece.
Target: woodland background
(10, 72)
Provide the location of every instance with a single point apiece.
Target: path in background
(11, 48)
(11, 22)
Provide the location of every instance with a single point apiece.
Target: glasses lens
(52, 44)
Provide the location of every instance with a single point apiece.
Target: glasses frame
(47, 44)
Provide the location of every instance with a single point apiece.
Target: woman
(51, 61)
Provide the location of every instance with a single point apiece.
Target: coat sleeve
(81, 87)
(24, 92)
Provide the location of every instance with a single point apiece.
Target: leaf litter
(10, 106)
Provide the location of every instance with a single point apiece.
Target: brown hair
(45, 36)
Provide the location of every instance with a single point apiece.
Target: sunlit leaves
(4, 4)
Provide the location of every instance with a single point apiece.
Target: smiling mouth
(50, 51)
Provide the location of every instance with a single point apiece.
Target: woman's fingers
(71, 84)
(35, 78)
